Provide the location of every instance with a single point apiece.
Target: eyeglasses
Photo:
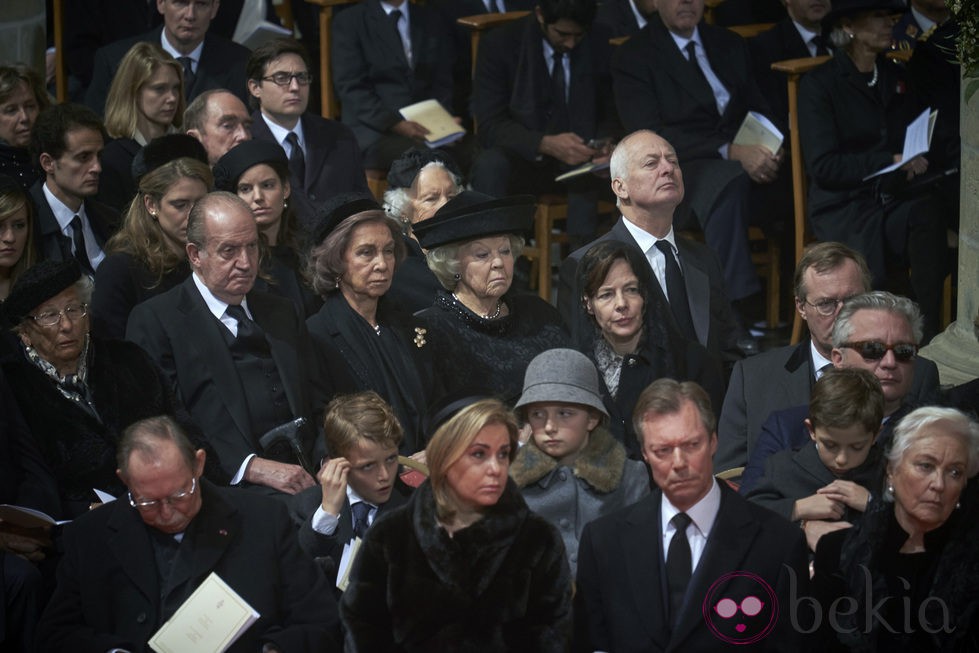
(283, 78)
(873, 350)
(73, 312)
(827, 307)
(152, 504)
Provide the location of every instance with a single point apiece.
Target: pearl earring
(456, 276)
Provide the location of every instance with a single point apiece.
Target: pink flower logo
(740, 608)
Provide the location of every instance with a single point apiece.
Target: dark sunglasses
(874, 350)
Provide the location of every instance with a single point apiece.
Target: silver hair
(878, 300)
(929, 421)
(839, 37)
(398, 200)
(443, 260)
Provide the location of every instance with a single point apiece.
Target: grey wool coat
(601, 481)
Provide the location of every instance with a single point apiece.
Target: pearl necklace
(487, 316)
(873, 80)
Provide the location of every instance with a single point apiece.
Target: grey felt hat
(564, 375)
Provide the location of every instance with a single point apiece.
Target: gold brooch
(420, 337)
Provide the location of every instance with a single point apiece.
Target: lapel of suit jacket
(129, 542)
(385, 32)
(215, 528)
(675, 63)
(698, 291)
(792, 40)
(315, 150)
(201, 335)
(51, 243)
(798, 384)
(729, 542)
(719, 63)
(642, 550)
(283, 345)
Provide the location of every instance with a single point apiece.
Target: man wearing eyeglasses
(875, 331)
(827, 274)
(209, 61)
(324, 157)
(129, 565)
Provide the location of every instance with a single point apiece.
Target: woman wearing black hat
(77, 393)
(477, 327)
(147, 255)
(357, 253)
(145, 101)
(420, 182)
(258, 172)
(853, 114)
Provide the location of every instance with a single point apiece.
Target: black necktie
(679, 564)
(560, 119)
(189, 76)
(820, 42)
(677, 291)
(361, 510)
(247, 329)
(698, 72)
(78, 238)
(297, 160)
(395, 17)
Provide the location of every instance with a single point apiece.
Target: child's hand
(817, 506)
(333, 481)
(847, 492)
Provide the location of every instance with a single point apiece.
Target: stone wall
(22, 32)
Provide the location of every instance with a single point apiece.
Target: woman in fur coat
(464, 565)
(572, 470)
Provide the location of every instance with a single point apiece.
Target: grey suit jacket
(184, 339)
(778, 379)
(710, 308)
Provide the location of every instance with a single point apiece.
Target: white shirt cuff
(324, 523)
(240, 476)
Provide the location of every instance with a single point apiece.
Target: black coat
(122, 282)
(615, 18)
(116, 185)
(53, 245)
(109, 595)
(79, 449)
(414, 285)
(501, 584)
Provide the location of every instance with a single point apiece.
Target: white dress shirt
(326, 524)
(702, 515)
(64, 216)
(404, 27)
(647, 243)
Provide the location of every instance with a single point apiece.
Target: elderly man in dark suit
(649, 185)
(67, 142)
(240, 360)
(540, 95)
(209, 61)
(797, 36)
(129, 565)
(387, 56)
(324, 158)
(693, 84)
(827, 275)
(677, 570)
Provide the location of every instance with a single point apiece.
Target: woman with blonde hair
(147, 256)
(16, 233)
(464, 565)
(145, 101)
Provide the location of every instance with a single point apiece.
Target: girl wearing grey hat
(572, 470)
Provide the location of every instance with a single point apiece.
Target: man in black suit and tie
(692, 83)
(324, 158)
(540, 95)
(827, 274)
(129, 565)
(209, 61)
(677, 570)
(649, 185)
(360, 480)
(240, 360)
(388, 55)
(623, 17)
(795, 37)
(67, 141)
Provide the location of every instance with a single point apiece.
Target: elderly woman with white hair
(420, 182)
(910, 569)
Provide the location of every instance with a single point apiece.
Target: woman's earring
(456, 276)
(958, 504)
